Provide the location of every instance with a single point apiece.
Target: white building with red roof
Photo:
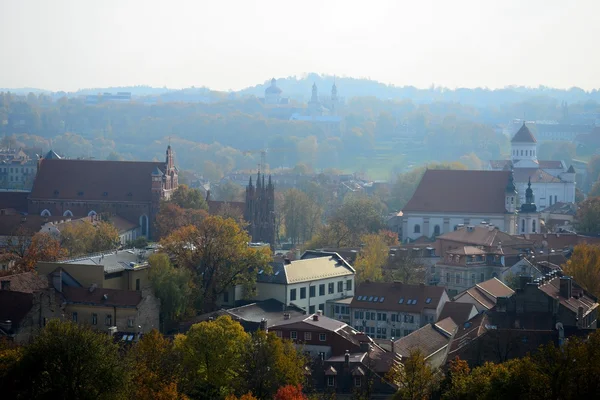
(551, 180)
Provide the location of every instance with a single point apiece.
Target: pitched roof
(579, 299)
(500, 164)
(51, 155)
(14, 306)
(562, 208)
(550, 164)
(114, 297)
(26, 282)
(126, 181)
(537, 175)
(429, 339)
(459, 312)
(395, 296)
(523, 135)
(460, 191)
(14, 200)
(483, 235)
(24, 224)
(559, 241)
(571, 170)
(308, 269)
(322, 322)
(486, 293)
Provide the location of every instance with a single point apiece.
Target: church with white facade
(551, 180)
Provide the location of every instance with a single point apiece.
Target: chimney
(286, 315)
(347, 358)
(315, 317)
(365, 347)
(319, 312)
(392, 346)
(5, 285)
(565, 287)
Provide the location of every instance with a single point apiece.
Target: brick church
(79, 188)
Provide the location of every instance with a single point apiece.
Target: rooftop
(115, 261)
(523, 135)
(459, 312)
(486, 293)
(308, 269)
(484, 235)
(26, 282)
(460, 191)
(396, 296)
(429, 339)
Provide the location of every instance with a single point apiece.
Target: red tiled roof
(484, 235)
(523, 135)
(128, 181)
(428, 339)
(30, 224)
(460, 191)
(14, 200)
(396, 296)
(459, 312)
(114, 297)
(26, 282)
(486, 293)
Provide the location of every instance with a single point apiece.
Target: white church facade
(551, 181)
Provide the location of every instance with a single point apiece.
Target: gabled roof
(309, 269)
(429, 339)
(483, 235)
(550, 164)
(126, 181)
(523, 135)
(51, 155)
(459, 191)
(579, 299)
(397, 296)
(459, 312)
(537, 175)
(114, 297)
(486, 293)
(571, 170)
(26, 282)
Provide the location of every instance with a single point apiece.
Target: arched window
(417, 228)
(436, 230)
(67, 213)
(46, 213)
(533, 226)
(91, 213)
(522, 225)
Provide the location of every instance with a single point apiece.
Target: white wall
(307, 302)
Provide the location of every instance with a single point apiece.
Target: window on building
(407, 332)
(458, 279)
(436, 230)
(373, 315)
(108, 320)
(356, 315)
(322, 289)
(409, 318)
(226, 297)
(311, 309)
(130, 322)
(293, 335)
(417, 228)
(448, 277)
(312, 291)
(362, 315)
(533, 226)
(331, 288)
(94, 319)
(322, 307)
(307, 335)
(278, 334)
(322, 337)
(331, 381)
(357, 381)
(555, 199)
(137, 284)
(349, 284)
(368, 316)
(473, 280)
(303, 293)
(74, 317)
(292, 294)
(393, 317)
(521, 152)
(340, 286)
(522, 225)
(482, 277)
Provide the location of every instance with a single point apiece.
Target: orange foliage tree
(290, 392)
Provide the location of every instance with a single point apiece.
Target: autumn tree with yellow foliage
(584, 267)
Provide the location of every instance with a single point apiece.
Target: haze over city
(229, 45)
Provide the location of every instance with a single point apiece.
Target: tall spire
(529, 206)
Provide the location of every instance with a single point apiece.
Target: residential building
(80, 188)
(17, 169)
(308, 283)
(123, 269)
(27, 302)
(559, 217)
(437, 207)
(459, 312)
(484, 295)
(552, 181)
(109, 310)
(432, 340)
(385, 310)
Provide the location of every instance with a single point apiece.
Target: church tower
(510, 202)
(528, 215)
(524, 149)
(260, 210)
(314, 106)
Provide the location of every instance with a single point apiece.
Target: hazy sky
(227, 44)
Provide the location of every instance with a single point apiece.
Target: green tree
(415, 379)
(373, 256)
(70, 361)
(188, 198)
(212, 357)
(588, 216)
(360, 215)
(270, 363)
(301, 216)
(217, 252)
(173, 286)
(229, 191)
